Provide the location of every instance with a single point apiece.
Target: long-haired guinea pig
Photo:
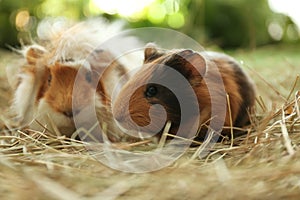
(134, 107)
(45, 82)
(43, 95)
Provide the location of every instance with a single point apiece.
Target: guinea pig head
(154, 94)
(56, 101)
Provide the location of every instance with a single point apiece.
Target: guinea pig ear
(152, 52)
(99, 59)
(189, 63)
(33, 53)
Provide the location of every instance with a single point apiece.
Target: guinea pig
(45, 84)
(44, 92)
(136, 106)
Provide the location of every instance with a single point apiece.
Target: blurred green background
(227, 24)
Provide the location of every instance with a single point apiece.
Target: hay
(264, 164)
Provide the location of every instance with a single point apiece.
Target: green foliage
(8, 12)
(235, 23)
(12, 32)
(230, 23)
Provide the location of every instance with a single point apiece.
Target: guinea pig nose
(71, 113)
(68, 113)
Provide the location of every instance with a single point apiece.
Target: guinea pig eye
(151, 91)
(49, 79)
(88, 77)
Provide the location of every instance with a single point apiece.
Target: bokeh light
(22, 20)
(176, 20)
(220, 22)
(288, 7)
(121, 7)
(156, 13)
(275, 31)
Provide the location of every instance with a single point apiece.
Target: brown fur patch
(60, 92)
(33, 54)
(44, 85)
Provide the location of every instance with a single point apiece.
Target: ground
(262, 165)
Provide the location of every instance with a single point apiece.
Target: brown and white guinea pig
(134, 107)
(45, 81)
(44, 92)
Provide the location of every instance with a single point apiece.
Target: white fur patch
(24, 101)
(71, 42)
(53, 120)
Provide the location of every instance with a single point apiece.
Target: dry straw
(262, 164)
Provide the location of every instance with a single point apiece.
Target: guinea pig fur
(44, 93)
(133, 108)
